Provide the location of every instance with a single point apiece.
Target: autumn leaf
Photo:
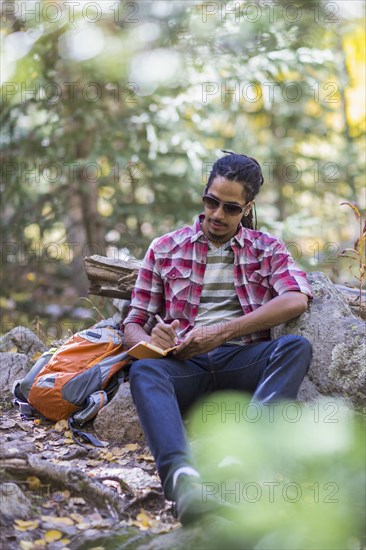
(33, 482)
(61, 426)
(148, 458)
(56, 519)
(30, 525)
(39, 543)
(92, 462)
(77, 500)
(131, 447)
(52, 535)
(144, 520)
(118, 451)
(107, 455)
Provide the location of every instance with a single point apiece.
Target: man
(224, 285)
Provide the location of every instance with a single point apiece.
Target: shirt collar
(198, 234)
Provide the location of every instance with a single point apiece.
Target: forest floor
(72, 497)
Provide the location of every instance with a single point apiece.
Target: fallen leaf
(62, 520)
(39, 434)
(92, 462)
(131, 446)
(61, 426)
(56, 443)
(49, 504)
(30, 525)
(118, 451)
(65, 541)
(78, 518)
(33, 482)
(123, 461)
(36, 356)
(83, 526)
(26, 545)
(52, 535)
(107, 455)
(39, 543)
(36, 421)
(77, 500)
(7, 424)
(39, 446)
(148, 458)
(23, 427)
(144, 520)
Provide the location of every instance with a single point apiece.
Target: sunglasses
(229, 208)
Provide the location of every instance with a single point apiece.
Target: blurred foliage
(290, 475)
(112, 117)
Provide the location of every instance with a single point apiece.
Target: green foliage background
(113, 113)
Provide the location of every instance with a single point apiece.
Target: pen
(160, 320)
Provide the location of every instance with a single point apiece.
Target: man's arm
(278, 310)
(162, 335)
(134, 333)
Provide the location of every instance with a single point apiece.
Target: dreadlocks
(244, 170)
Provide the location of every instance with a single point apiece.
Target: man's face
(218, 224)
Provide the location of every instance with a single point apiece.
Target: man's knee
(297, 342)
(143, 368)
(298, 345)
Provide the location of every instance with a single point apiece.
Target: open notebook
(144, 350)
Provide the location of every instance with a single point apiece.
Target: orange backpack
(75, 379)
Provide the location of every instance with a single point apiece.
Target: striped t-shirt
(219, 299)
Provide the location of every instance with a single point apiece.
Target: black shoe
(191, 501)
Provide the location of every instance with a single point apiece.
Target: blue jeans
(163, 389)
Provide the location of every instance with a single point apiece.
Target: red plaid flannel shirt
(170, 279)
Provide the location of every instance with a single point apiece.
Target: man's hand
(164, 336)
(200, 340)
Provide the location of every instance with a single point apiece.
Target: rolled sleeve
(286, 275)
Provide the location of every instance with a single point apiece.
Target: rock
(24, 340)
(14, 503)
(308, 391)
(136, 478)
(338, 339)
(13, 367)
(118, 421)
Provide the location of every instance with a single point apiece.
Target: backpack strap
(78, 436)
(94, 403)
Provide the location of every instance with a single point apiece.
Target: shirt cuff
(136, 316)
(291, 284)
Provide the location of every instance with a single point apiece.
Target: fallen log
(72, 478)
(111, 277)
